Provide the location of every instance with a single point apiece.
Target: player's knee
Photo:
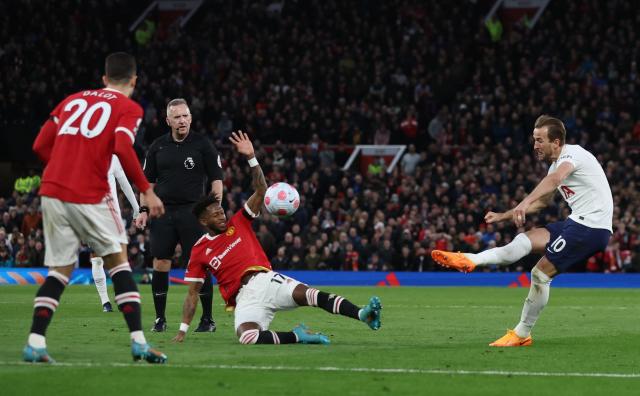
(538, 276)
(249, 337)
(97, 261)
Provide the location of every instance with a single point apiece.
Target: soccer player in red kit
(234, 256)
(76, 144)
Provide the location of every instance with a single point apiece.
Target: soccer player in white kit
(99, 277)
(581, 181)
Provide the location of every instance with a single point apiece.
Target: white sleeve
(570, 156)
(124, 184)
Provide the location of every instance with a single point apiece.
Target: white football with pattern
(281, 199)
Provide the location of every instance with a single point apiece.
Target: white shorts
(66, 224)
(264, 295)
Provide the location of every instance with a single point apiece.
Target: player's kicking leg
(534, 241)
(523, 244)
(100, 280)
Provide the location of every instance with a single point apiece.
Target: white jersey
(116, 172)
(586, 189)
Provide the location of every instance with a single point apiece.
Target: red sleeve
(195, 272)
(125, 137)
(43, 145)
(129, 120)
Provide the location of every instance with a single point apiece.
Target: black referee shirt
(182, 171)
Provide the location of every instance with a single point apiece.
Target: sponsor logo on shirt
(216, 261)
(567, 192)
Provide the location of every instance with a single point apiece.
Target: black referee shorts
(177, 224)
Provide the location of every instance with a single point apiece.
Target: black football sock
(127, 295)
(46, 301)
(206, 298)
(160, 287)
(268, 337)
(332, 303)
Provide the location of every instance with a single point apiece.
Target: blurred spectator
(312, 259)
(410, 161)
(31, 220)
(280, 261)
(6, 259)
(464, 96)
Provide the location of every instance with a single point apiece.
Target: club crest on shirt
(189, 163)
(230, 231)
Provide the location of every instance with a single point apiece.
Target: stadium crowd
(310, 79)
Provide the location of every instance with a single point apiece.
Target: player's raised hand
(493, 217)
(242, 143)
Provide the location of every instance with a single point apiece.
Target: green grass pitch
(432, 341)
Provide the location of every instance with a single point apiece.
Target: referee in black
(182, 166)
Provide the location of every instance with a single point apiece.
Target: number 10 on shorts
(557, 245)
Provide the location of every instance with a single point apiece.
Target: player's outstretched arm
(538, 205)
(547, 186)
(188, 310)
(258, 182)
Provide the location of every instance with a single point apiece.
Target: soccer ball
(281, 199)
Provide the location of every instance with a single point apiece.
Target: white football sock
(100, 279)
(504, 255)
(37, 341)
(535, 302)
(138, 336)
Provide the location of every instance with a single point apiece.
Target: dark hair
(555, 128)
(119, 67)
(200, 206)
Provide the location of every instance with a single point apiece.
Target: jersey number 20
(79, 108)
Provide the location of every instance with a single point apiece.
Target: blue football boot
(145, 352)
(370, 313)
(36, 355)
(305, 336)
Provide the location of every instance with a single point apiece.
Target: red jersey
(78, 141)
(228, 256)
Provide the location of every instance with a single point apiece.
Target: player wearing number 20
(76, 144)
(581, 181)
